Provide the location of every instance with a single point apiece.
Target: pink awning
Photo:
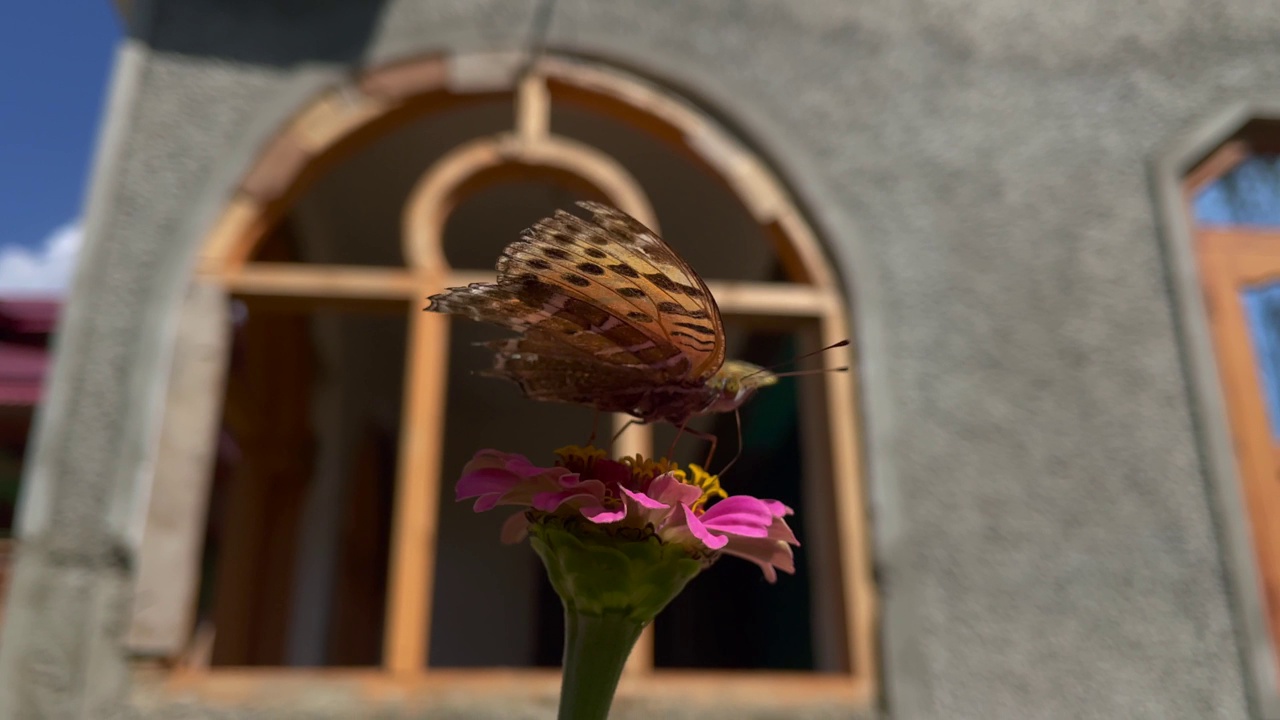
(25, 326)
(28, 317)
(22, 371)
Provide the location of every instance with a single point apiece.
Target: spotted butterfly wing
(608, 316)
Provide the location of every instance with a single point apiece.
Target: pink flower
(677, 506)
(498, 478)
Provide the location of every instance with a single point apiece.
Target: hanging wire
(538, 31)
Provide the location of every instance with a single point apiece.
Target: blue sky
(55, 60)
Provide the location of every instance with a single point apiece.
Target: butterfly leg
(595, 428)
(737, 418)
(629, 423)
(709, 437)
(679, 432)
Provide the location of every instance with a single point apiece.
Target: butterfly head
(735, 383)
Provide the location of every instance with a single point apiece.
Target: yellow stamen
(708, 483)
(578, 457)
(644, 469)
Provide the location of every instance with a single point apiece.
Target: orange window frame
(1229, 260)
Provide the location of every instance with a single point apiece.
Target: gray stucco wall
(1044, 535)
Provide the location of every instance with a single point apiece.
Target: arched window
(330, 537)
(1221, 189)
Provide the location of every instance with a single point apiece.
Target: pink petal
(778, 509)
(570, 480)
(515, 529)
(644, 500)
(602, 516)
(699, 531)
(667, 489)
(577, 493)
(490, 459)
(485, 503)
(647, 510)
(739, 515)
(770, 555)
(484, 481)
(497, 478)
(521, 466)
(779, 530)
(488, 485)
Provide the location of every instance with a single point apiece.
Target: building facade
(1037, 496)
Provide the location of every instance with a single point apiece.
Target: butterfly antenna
(814, 371)
(798, 358)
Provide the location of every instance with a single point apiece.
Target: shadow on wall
(278, 33)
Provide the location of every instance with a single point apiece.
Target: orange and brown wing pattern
(608, 315)
(528, 303)
(616, 263)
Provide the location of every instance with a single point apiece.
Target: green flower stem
(612, 587)
(596, 648)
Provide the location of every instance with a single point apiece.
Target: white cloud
(45, 271)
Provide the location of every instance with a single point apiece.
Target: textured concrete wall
(1046, 545)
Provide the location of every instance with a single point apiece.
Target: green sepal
(630, 574)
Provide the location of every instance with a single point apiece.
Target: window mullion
(848, 492)
(415, 526)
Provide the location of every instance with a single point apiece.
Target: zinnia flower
(632, 498)
(620, 539)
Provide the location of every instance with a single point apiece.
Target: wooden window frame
(1230, 260)
(1181, 168)
(342, 121)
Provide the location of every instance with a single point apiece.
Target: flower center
(579, 459)
(637, 472)
(644, 470)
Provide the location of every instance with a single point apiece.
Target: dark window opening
(296, 552)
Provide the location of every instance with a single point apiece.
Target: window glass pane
(296, 552)
(701, 217)
(1248, 195)
(352, 214)
(1262, 308)
(489, 597)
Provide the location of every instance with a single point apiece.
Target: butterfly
(610, 317)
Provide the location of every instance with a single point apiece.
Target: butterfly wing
(546, 368)
(622, 267)
(620, 304)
